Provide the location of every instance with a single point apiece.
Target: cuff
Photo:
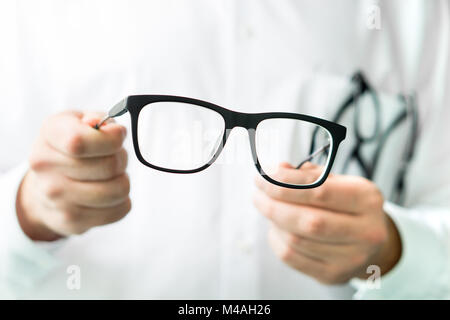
(421, 272)
(23, 262)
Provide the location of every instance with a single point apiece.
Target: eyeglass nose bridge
(239, 119)
(248, 122)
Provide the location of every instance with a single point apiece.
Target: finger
(290, 240)
(295, 259)
(95, 194)
(78, 219)
(90, 217)
(100, 216)
(99, 194)
(339, 192)
(67, 133)
(102, 168)
(310, 222)
(308, 174)
(93, 118)
(325, 251)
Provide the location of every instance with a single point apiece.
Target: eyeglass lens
(182, 136)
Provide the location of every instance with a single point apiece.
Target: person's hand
(332, 232)
(77, 178)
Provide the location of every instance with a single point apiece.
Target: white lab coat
(199, 236)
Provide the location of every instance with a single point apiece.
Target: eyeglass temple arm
(312, 155)
(118, 110)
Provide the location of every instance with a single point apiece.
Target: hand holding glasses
(184, 135)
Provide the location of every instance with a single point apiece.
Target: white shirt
(199, 236)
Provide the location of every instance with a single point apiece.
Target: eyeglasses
(375, 134)
(184, 135)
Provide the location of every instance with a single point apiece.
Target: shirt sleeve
(23, 262)
(423, 269)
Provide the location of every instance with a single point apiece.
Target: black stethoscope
(368, 167)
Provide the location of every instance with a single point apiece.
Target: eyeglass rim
(135, 104)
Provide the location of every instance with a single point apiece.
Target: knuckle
(320, 193)
(52, 190)
(359, 185)
(377, 236)
(122, 212)
(283, 176)
(37, 163)
(117, 139)
(121, 161)
(74, 144)
(332, 276)
(287, 253)
(124, 209)
(78, 230)
(279, 192)
(114, 165)
(278, 175)
(124, 185)
(70, 218)
(326, 280)
(369, 192)
(128, 206)
(359, 259)
(293, 240)
(376, 200)
(315, 225)
(117, 143)
(124, 157)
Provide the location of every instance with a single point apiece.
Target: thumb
(92, 118)
(286, 165)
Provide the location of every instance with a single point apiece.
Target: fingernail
(91, 122)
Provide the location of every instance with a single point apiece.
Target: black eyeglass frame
(135, 103)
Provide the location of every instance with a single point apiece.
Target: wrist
(392, 249)
(390, 252)
(29, 223)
